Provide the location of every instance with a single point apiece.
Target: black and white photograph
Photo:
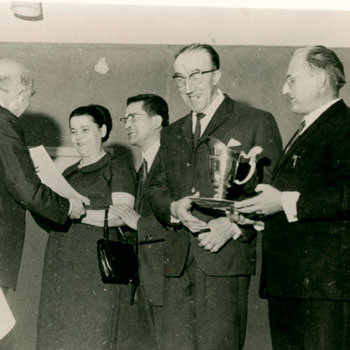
(174, 175)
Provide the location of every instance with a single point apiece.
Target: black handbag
(117, 260)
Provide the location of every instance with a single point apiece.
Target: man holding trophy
(306, 241)
(208, 258)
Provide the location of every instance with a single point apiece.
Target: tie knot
(200, 115)
(302, 125)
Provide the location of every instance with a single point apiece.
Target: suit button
(306, 282)
(188, 164)
(193, 189)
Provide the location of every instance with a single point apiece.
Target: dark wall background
(65, 79)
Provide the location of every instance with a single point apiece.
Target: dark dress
(77, 311)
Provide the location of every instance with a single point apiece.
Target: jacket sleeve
(22, 181)
(269, 138)
(158, 193)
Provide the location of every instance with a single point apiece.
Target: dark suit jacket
(20, 189)
(151, 235)
(185, 170)
(311, 258)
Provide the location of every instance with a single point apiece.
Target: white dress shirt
(150, 154)
(209, 112)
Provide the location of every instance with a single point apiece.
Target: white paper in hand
(50, 175)
(7, 320)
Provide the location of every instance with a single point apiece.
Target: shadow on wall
(41, 129)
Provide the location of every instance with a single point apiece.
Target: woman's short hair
(99, 114)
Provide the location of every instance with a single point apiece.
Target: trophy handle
(252, 162)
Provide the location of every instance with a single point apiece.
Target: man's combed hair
(214, 56)
(323, 58)
(152, 105)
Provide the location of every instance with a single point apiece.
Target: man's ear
(322, 79)
(216, 76)
(157, 121)
(103, 130)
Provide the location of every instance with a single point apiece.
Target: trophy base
(212, 203)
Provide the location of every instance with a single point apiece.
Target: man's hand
(126, 214)
(221, 231)
(267, 202)
(181, 210)
(77, 208)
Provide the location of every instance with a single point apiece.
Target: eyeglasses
(290, 79)
(195, 77)
(31, 92)
(132, 117)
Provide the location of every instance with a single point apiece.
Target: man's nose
(128, 123)
(188, 86)
(285, 88)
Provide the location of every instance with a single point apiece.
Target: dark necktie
(198, 130)
(142, 175)
(295, 136)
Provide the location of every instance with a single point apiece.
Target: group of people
(195, 263)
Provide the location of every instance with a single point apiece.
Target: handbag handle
(121, 237)
(105, 225)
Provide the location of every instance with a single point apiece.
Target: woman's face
(86, 135)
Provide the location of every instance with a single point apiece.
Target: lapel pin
(295, 159)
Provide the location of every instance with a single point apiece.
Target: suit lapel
(223, 112)
(187, 130)
(324, 117)
(141, 189)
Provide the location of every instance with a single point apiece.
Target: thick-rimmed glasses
(132, 117)
(195, 77)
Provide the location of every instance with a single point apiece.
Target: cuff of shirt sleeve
(289, 204)
(70, 207)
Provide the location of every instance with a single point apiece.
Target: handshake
(77, 207)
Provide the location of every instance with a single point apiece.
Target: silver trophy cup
(224, 161)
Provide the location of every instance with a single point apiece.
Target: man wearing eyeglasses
(20, 187)
(306, 241)
(208, 259)
(145, 116)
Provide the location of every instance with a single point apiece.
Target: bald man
(20, 187)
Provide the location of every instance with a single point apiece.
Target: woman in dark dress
(77, 311)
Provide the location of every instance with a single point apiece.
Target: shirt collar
(209, 111)
(314, 115)
(151, 153)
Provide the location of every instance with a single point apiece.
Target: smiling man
(306, 242)
(145, 116)
(207, 274)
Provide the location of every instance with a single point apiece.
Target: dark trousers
(298, 324)
(138, 324)
(204, 312)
